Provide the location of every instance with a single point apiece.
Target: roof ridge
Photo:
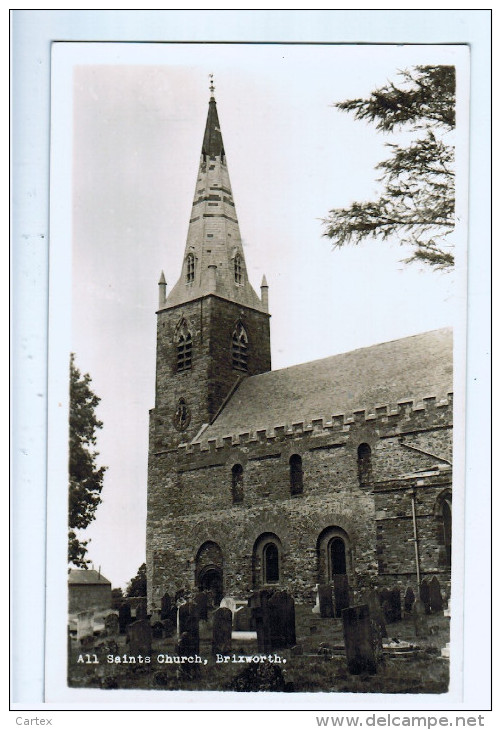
(350, 352)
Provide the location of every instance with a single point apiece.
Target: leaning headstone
(258, 603)
(424, 594)
(358, 640)
(325, 600)
(341, 593)
(202, 605)
(282, 620)
(436, 603)
(85, 624)
(409, 599)
(419, 618)
(124, 617)
(165, 607)
(396, 604)
(111, 624)
(371, 598)
(139, 638)
(221, 631)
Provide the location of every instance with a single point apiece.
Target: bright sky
(139, 114)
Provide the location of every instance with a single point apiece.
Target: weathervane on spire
(211, 87)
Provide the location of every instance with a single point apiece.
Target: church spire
(214, 261)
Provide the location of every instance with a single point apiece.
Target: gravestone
(221, 631)
(188, 646)
(409, 599)
(282, 620)
(395, 604)
(157, 630)
(424, 594)
(141, 610)
(436, 603)
(326, 609)
(258, 603)
(139, 634)
(419, 618)
(166, 607)
(85, 624)
(188, 623)
(124, 617)
(316, 607)
(179, 596)
(359, 640)
(341, 593)
(371, 598)
(243, 619)
(169, 628)
(228, 602)
(202, 605)
(111, 624)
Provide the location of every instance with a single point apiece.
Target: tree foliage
(137, 586)
(85, 477)
(418, 197)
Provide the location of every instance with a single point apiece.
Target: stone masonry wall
(190, 499)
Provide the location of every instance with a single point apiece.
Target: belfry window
(296, 474)
(184, 348)
(364, 464)
(238, 268)
(237, 484)
(190, 268)
(239, 348)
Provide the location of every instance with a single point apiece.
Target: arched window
(184, 347)
(190, 268)
(442, 512)
(364, 463)
(267, 560)
(238, 268)
(237, 483)
(447, 528)
(239, 348)
(333, 554)
(270, 563)
(337, 556)
(296, 474)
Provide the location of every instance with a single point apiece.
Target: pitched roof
(87, 577)
(411, 368)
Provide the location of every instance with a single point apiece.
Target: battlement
(414, 413)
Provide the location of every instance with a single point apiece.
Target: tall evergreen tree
(137, 586)
(417, 201)
(85, 477)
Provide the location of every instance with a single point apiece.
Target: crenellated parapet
(405, 416)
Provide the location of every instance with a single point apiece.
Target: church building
(286, 478)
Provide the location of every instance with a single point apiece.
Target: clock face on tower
(182, 415)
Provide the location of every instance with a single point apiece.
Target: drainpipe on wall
(412, 495)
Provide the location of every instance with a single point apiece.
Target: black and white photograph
(258, 322)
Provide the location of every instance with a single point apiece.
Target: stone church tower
(212, 328)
